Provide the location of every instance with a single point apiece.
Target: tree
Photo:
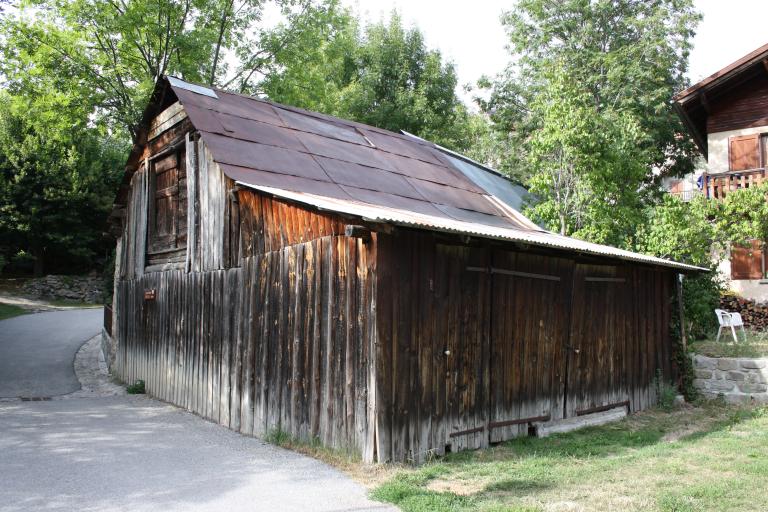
(688, 232)
(313, 75)
(742, 215)
(383, 75)
(586, 170)
(681, 231)
(628, 57)
(57, 181)
(77, 75)
(121, 48)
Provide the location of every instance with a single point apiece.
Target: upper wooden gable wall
(743, 107)
(225, 223)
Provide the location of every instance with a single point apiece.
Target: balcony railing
(687, 195)
(718, 185)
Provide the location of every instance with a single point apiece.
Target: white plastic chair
(732, 321)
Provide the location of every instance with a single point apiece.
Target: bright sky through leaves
(471, 35)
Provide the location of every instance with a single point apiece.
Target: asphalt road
(37, 351)
(133, 453)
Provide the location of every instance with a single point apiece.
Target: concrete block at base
(588, 420)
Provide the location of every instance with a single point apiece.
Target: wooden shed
(279, 269)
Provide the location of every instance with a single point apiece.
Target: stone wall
(737, 379)
(89, 289)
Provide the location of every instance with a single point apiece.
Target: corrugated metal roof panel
(512, 194)
(361, 170)
(375, 213)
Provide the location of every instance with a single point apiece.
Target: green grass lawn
(711, 457)
(9, 310)
(755, 345)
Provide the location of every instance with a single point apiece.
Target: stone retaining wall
(737, 379)
(89, 289)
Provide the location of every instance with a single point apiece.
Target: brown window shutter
(746, 262)
(744, 152)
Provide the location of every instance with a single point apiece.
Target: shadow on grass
(607, 440)
(524, 466)
(517, 486)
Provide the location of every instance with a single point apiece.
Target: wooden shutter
(747, 262)
(168, 208)
(744, 152)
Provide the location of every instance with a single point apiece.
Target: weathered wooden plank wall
(284, 342)
(476, 342)
(530, 319)
(268, 224)
(133, 248)
(396, 348)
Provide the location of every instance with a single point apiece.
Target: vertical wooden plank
(192, 172)
(369, 446)
(349, 265)
(384, 347)
(249, 340)
(317, 338)
(236, 337)
(262, 326)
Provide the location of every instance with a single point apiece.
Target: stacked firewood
(755, 315)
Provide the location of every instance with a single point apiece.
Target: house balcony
(719, 185)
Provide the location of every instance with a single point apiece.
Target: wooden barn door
(601, 317)
(529, 328)
(466, 349)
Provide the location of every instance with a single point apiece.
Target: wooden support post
(681, 311)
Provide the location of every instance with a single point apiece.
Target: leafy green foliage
(665, 393)
(584, 109)
(742, 215)
(57, 180)
(115, 52)
(137, 388)
(688, 231)
(76, 76)
(586, 170)
(383, 75)
(628, 57)
(678, 230)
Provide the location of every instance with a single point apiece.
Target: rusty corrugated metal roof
(352, 168)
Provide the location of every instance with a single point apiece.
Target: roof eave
(698, 138)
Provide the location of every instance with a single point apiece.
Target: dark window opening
(167, 219)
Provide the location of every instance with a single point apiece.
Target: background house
(727, 115)
(279, 269)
